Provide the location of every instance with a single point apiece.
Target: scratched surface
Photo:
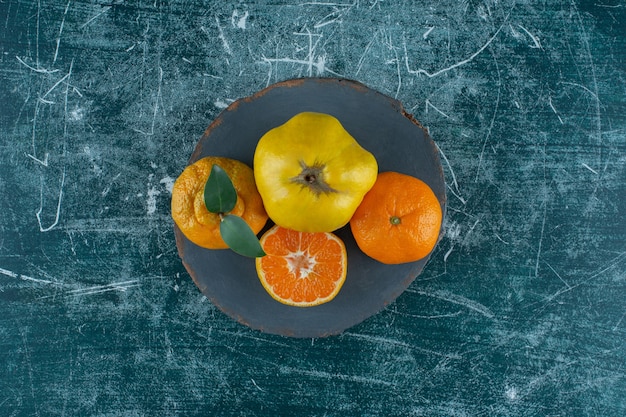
(521, 310)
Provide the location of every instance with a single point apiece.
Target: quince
(311, 173)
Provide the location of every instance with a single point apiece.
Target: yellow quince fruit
(311, 173)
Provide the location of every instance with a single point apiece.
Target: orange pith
(190, 214)
(398, 220)
(302, 269)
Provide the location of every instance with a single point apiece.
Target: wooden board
(381, 126)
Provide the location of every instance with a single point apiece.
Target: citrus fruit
(189, 210)
(302, 269)
(398, 221)
(311, 173)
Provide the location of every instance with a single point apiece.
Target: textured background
(520, 311)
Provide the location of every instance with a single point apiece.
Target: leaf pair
(220, 197)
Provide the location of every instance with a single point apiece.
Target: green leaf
(220, 195)
(240, 237)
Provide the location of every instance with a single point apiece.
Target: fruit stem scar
(312, 177)
(395, 220)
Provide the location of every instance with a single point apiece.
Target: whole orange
(398, 220)
(190, 213)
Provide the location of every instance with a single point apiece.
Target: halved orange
(302, 269)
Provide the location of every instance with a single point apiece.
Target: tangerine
(302, 269)
(398, 220)
(190, 213)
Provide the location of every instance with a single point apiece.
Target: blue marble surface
(521, 310)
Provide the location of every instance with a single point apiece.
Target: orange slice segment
(302, 269)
